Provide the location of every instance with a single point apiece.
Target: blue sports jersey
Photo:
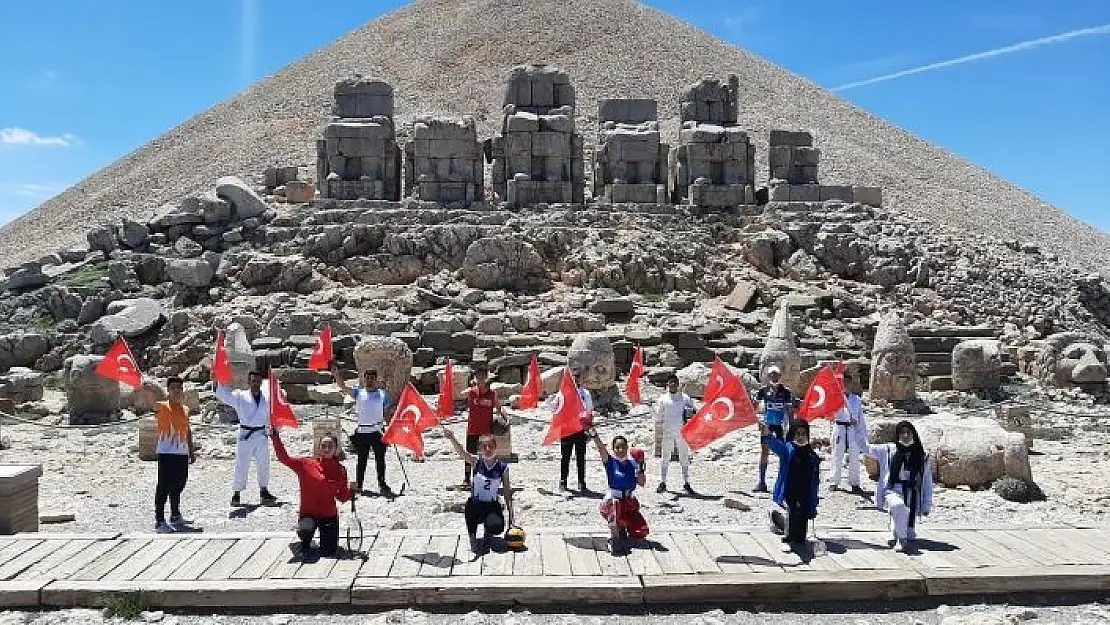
(775, 403)
(621, 475)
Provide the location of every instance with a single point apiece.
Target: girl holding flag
(621, 509)
(797, 483)
(323, 480)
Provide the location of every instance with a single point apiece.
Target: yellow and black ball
(514, 538)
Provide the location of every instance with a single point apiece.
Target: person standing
(796, 487)
(670, 411)
(371, 404)
(323, 480)
(481, 404)
(778, 410)
(576, 442)
(849, 428)
(253, 409)
(175, 453)
(490, 475)
(905, 486)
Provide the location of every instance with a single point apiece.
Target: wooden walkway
(561, 566)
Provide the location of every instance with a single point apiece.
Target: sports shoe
(266, 497)
(760, 488)
(563, 486)
(900, 546)
(689, 489)
(385, 490)
(164, 528)
(787, 547)
(177, 521)
(778, 522)
(662, 488)
(856, 490)
(475, 544)
(582, 487)
(235, 501)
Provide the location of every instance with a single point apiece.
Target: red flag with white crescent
(728, 409)
(322, 353)
(221, 364)
(824, 398)
(281, 413)
(566, 418)
(632, 386)
(445, 407)
(119, 365)
(530, 395)
(719, 374)
(409, 421)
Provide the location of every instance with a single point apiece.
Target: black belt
(251, 430)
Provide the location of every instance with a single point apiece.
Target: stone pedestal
(19, 492)
(148, 439)
(505, 446)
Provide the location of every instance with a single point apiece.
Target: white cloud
(979, 56)
(14, 136)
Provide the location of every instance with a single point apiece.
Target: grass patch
(45, 321)
(92, 274)
(1052, 433)
(127, 606)
(653, 298)
(54, 381)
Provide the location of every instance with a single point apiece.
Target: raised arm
(459, 449)
(283, 455)
(225, 394)
(339, 380)
(601, 449)
(775, 445)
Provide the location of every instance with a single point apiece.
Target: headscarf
(910, 456)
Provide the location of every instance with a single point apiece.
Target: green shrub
(1052, 433)
(126, 606)
(1018, 491)
(92, 274)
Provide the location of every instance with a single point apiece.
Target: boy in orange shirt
(175, 454)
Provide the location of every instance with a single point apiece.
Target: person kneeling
(620, 508)
(905, 486)
(323, 480)
(488, 475)
(797, 484)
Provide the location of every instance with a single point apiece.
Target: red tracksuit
(322, 482)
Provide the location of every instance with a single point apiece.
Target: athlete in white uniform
(849, 428)
(905, 486)
(253, 409)
(670, 411)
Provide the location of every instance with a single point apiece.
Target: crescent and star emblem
(727, 403)
(820, 396)
(125, 363)
(557, 404)
(416, 414)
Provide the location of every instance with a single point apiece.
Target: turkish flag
(409, 421)
(321, 354)
(530, 396)
(566, 418)
(445, 407)
(632, 386)
(281, 413)
(729, 408)
(221, 364)
(119, 365)
(824, 398)
(719, 374)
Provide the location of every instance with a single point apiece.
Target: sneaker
(856, 490)
(662, 487)
(178, 521)
(760, 488)
(164, 528)
(385, 490)
(475, 545)
(787, 547)
(689, 489)
(235, 501)
(563, 486)
(266, 497)
(582, 487)
(900, 546)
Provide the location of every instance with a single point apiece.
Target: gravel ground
(96, 475)
(453, 56)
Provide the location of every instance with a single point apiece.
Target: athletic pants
(491, 514)
(844, 442)
(256, 447)
(173, 473)
(365, 442)
(329, 534)
(902, 517)
(670, 441)
(577, 443)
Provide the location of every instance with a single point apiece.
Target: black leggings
(173, 473)
(577, 443)
(797, 521)
(488, 513)
(364, 443)
(329, 535)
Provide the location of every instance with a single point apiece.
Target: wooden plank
(347, 565)
(498, 562)
(316, 567)
(21, 593)
(46, 568)
(1014, 543)
(380, 556)
(1064, 579)
(668, 556)
(724, 554)
(287, 563)
(695, 553)
(1096, 540)
(467, 563)
(1055, 539)
(441, 556)
(583, 558)
(173, 559)
(16, 548)
(209, 553)
(755, 556)
(142, 560)
(262, 560)
(785, 587)
(63, 570)
(273, 594)
(103, 565)
(232, 559)
(1000, 552)
(528, 561)
(641, 560)
(409, 556)
(496, 591)
(611, 566)
(556, 561)
(985, 552)
(17, 564)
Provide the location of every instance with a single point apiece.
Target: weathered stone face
(91, 398)
(893, 362)
(591, 355)
(390, 357)
(976, 365)
(1072, 359)
(781, 351)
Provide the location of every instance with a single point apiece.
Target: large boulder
(91, 398)
(191, 272)
(693, 379)
(128, 318)
(977, 365)
(22, 349)
(28, 276)
(244, 201)
(968, 451)
(390, 357)
(504, 263)
(591, 355)
(21, 385)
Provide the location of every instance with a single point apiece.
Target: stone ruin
(781, 351)
(358, 156)
(1072, 359)
(444, 161)
(630, 163)
(538, 159)
(714, 164)
(893, 362)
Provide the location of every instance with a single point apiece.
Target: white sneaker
(164, 528)
(900, 546)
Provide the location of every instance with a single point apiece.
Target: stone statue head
(893, 361)
(592, 360)
(1072, 359)
(781, 352)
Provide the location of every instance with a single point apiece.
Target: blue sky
(1019, 87)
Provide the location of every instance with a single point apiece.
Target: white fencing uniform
(848, 430)
(903, 513)
(253, 441)
(669, 409)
